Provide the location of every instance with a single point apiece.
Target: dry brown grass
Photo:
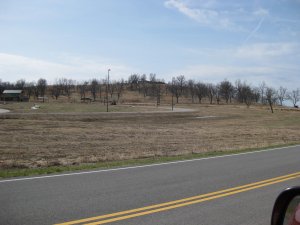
(41, 140)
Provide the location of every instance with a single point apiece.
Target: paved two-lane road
(59, 199)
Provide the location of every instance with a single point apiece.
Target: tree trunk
(271, 106)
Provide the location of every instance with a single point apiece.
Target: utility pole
(107, 86)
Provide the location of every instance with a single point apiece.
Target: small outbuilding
(12, 95)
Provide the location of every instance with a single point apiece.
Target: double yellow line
(113, 217)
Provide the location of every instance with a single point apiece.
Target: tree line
(179, 87)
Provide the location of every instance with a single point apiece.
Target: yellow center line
(184, 202)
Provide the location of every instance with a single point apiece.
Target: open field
(41, 140)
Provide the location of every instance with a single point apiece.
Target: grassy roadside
(8, 173)
(42, 143)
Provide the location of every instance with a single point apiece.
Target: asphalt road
(58, 199)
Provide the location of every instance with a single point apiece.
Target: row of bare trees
(179, 87)
(35, 89)
(99, 88)
(242, 92)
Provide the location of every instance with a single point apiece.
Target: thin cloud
(219, 72)
(267, 51)
(213, 14)
(252, 33)
(259, 13)
(204, 16)
(252, 74)
(261, 51)
(15, 67)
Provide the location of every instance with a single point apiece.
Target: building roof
(12, 91)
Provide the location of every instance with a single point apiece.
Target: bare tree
(248, 95)
(35, 91)
(66, 86)
(29, 89)
(226, 90)
(256, 93)
(181, 83)
(94, 88)
(218, 93)
(153, 84)
(133, 81)
(144, 84)
(201, 91)
(244, 93)
(211, 92)
(20, 84)
(69, 84)
(271, 97)
(294, 96)
(41, 87)
(175, 89)
(2, 87)
(262, 88)
(5, 85)
(119, 88)
(239, 91)
(112, 88)
(281, 94)
(83, 89)
(158, 93)
(56, 91)
(192, 89)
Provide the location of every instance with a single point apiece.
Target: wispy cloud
(14, 67)
(204, 16)
(260, 13)
(213, 14)
(261, 52)
(252, 74)
(252, 33)
(267, 51)
(217, 73)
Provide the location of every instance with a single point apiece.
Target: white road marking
(143, 166)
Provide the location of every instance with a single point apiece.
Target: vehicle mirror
(286, 210)
(292, 214)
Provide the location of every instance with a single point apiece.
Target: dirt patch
(4, 111)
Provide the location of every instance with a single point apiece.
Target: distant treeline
(179, 87)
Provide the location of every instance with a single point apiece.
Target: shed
(12, 95)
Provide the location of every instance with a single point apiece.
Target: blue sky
(205, 40)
